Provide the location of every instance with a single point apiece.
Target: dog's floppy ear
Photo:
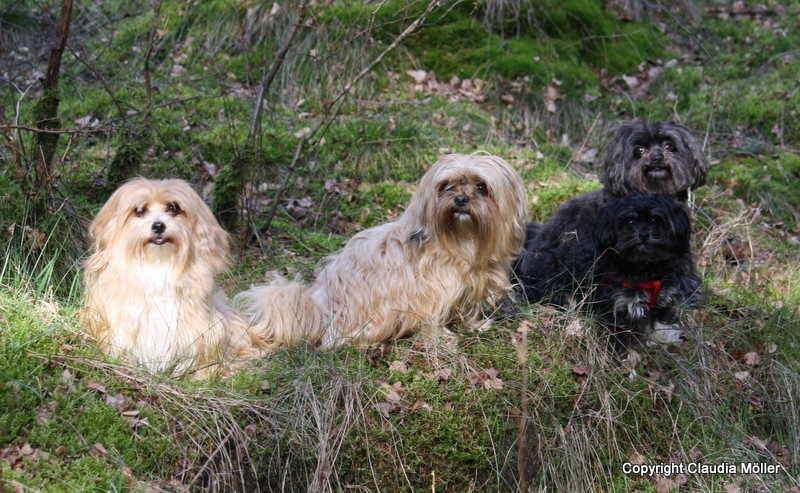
(616, 160)
(211, 242)
(420, 209)
(690, 148)
(605, 227)
(680, 224)
(105, 229)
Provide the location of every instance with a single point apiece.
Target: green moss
(85, 473)
(767, 180)
(48, 404)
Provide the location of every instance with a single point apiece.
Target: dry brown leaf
(731, 488)
(385, 408)
(665, 485)
(398, 366)
(574, 329)
(96, 386)
(419, 76)
(581, 369)
(741, 375)
(752, 358)
(420, 404)
(635, 457)
(493, 384)
(440, 375)
(98, 450)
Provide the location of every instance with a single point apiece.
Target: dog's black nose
(461, 201)
(644, 235)
(657, 157)
(159, 227)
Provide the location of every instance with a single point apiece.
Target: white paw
(665, 334)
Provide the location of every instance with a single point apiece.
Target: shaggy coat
(655, 157)
(443, 262)
(149, 283)
(636, 274)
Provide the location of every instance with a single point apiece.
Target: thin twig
(266, 82)
(524, 411)
(150, 44)
(97, 75)
(211, 458)
(57, 131)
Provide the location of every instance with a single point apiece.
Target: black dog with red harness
(636, 273)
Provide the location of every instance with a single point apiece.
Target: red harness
(652, 287)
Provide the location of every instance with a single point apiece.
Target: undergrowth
(536, 400)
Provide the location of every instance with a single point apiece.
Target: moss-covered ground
(533, 402)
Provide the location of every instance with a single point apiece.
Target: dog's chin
(464, 221)
(657, 173)
(160, 247)
(160, 241)
(461, 216)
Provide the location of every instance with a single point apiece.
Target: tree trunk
(229, 182)
(46, 111)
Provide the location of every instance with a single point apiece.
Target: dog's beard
(464, 230)
(143, 244)
(657, 157)
(657, 172)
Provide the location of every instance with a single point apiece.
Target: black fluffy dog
(654, 157)
(635, 274)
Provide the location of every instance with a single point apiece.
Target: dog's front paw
(637, 309)
(665, 333)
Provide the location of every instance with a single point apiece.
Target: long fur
(150, 296)
(637, 239)
(442, 262)
(656, 157)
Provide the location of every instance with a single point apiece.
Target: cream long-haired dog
(444, 261)
(150, 296)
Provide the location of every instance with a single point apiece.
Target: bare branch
(333, 108)
(46, 111)
(266, 82)
(150, 44)
(57, 130)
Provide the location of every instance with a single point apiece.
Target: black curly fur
(656, 157)
(637, 239)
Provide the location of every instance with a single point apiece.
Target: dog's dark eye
(669, 146)
(140, 211)
(482, 188)
(639, 151)
(444, 187)
(173, 208)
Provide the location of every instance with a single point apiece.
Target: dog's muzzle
(656, 165)
(461, 205)
(159, 228)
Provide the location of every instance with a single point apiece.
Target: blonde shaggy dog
(442, 262)
(150, 296)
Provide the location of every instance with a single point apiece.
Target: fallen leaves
(752, 358)
(15, 456)
(399, 397)
(456, 89)
(488, 379)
